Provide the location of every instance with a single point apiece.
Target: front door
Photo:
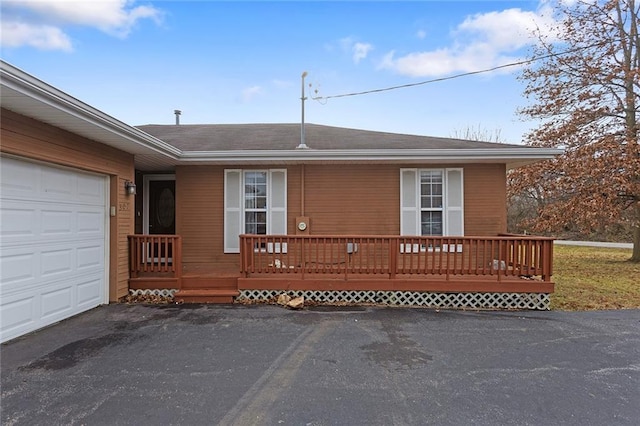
(162, 207)
(159, 213)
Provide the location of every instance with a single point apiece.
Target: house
(93, 208)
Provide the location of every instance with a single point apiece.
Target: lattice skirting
(536, 301)
(163, 292)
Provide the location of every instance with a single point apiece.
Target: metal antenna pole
(302, 145)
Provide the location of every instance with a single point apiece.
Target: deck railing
(155, 254)
(394, 256)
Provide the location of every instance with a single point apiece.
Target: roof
(278, 144)
(233, 137)
(162, 147)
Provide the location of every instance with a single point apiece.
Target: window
(255, 202)
(431, 202)
(431, 207)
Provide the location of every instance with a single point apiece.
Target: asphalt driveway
(265, 365)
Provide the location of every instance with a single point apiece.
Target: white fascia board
(35, 89)
(406, 155)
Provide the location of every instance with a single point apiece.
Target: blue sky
(241, 62)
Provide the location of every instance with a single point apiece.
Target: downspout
(302, 190)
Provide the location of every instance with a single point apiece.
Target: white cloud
(356, 49)
(43, 37)
(360, 51)
(481, 41)
(421, 34)
(251, 93)
(41, 23)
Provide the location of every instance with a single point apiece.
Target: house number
(123, 207)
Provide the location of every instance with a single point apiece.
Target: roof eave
(508, 156)
(53, 99)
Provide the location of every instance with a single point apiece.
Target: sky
(242, 62)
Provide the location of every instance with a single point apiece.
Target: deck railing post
(547, 260)
(177, 259)
(393, 257)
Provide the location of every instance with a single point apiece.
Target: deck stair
(213, 287)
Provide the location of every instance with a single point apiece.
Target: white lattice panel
(538, 301)
(164, 292)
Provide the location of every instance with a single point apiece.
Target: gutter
(408, 155)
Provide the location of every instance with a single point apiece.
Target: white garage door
(52, 245)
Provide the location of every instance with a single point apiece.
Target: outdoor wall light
(130, 187)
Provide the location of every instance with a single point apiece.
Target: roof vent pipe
(302, 145)
(177, 112)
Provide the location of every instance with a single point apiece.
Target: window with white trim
(431, 202)
(255, 202)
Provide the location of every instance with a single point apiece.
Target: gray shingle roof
(230, 137)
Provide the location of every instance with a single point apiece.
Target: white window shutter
(232, 210)
(409, 202)
(277, 207)
(454, 203)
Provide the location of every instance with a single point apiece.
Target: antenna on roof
(177, 112)
(302, 145)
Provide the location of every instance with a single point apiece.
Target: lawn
(589, 278)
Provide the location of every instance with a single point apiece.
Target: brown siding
(338, 199)
(199, 215)
(31, 139)
(353, 199)
(485, 195)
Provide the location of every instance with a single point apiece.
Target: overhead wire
(451, 77)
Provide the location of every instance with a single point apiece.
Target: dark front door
(162, 207)
(162, 218)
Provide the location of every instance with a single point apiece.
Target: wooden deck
(503, 264)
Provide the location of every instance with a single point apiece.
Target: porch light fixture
(130, 187)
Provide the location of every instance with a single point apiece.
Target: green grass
(589, 278)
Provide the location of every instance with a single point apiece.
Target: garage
(54, 231)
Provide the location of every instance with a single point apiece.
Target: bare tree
(478, 134)
(586, 94)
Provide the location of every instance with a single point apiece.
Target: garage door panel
(89, 292)
(56, 222)
(52, 253)
(58, 183)
(17, 267)
(91, 189)
(90, 222)
(18, 179)
(18, 316)
(90, 257)
(29, 181)
(48, 303)
(57, 261)
(33, 223)
(57, 303)
(17, 222)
